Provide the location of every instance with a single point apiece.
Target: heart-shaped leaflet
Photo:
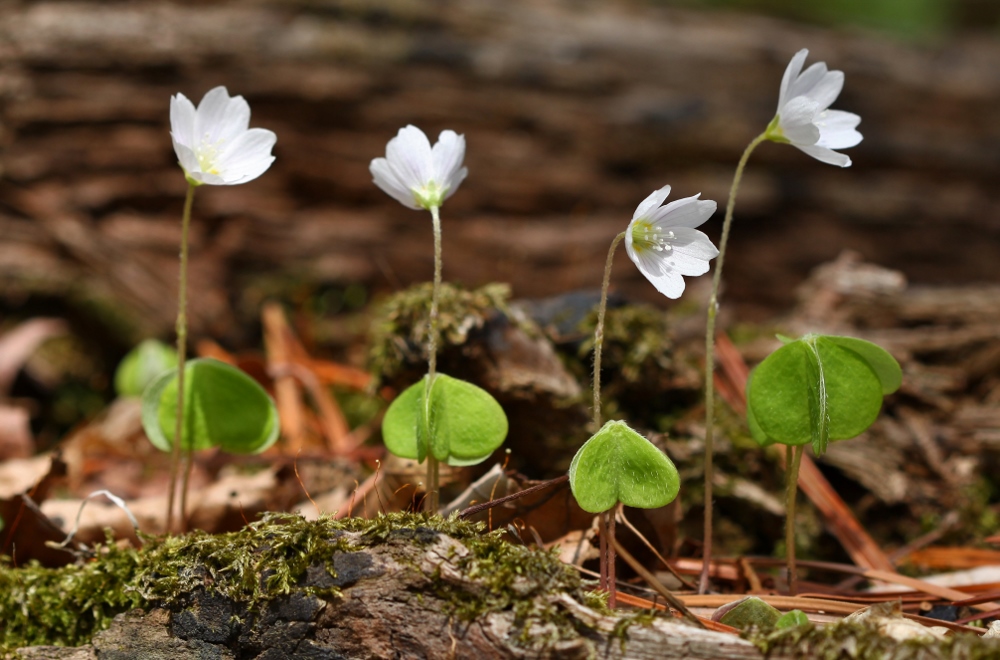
(619, 465)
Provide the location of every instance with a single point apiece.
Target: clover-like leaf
(142, 365)
(819, 389)
(619, 465)
(223, 407)
(462, 425)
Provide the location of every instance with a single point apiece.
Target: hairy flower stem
(431, 502)
(713, 309)
(793, 458)
(599, 331)
(175, 456)
(606, 520)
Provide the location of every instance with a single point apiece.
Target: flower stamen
(647, 236)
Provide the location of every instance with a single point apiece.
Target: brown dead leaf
(17, 345)
(28, 482)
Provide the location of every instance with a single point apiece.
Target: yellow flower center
(207, 153)
(647, 236)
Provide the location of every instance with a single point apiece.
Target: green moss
(518, 579)
(399, 334)
(65, 606)
(265, 560)
(863, 640)
(637, 341)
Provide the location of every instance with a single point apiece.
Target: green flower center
(430, 195)
(647, 236)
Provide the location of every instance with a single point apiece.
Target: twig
(476, 508)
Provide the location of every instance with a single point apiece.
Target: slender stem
(188, 468)
(612, 584)
(792, 461)
(602, 530)
(175, 456)
(713, 308)
(431, 502)
(599, 331)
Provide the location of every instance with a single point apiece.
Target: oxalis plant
(804, 121)
(813, 391)
(440, 418)
(617, 465)
(207, 403)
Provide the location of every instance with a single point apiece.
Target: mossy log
(398, 586)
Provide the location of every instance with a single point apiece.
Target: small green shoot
(142, 365)
(462, 425)
(816, 390)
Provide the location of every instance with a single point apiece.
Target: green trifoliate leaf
(142, 365)
(619, 465)
(819, 389)
(223, 407)
(462, 425)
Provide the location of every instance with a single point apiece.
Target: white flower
(663, 241)
(417, 175)
(214, 144)
(803, 118)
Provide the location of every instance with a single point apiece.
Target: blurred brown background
(573, 113)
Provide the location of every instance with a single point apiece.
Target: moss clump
(399, 334)
(503, 576)
(65, 606)
(647, 376)
(265, 560)
(863, 640)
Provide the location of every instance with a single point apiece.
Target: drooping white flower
(804, 119)
(663, 241)
(214, 143)
(417, 175)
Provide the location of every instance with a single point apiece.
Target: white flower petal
(668, 282)
(807, 80)
(825, 155)
(650, 203)
(802, 134)
(456, 180)
(186, 158)
(447, 155)
(409, 156)
(386, 179)
(791, 73)
(695, 244)
(686, 212)
(182, 114)
(838, 129)
(247, 156)
(797, 121)
(221, 118)
(826, 91)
